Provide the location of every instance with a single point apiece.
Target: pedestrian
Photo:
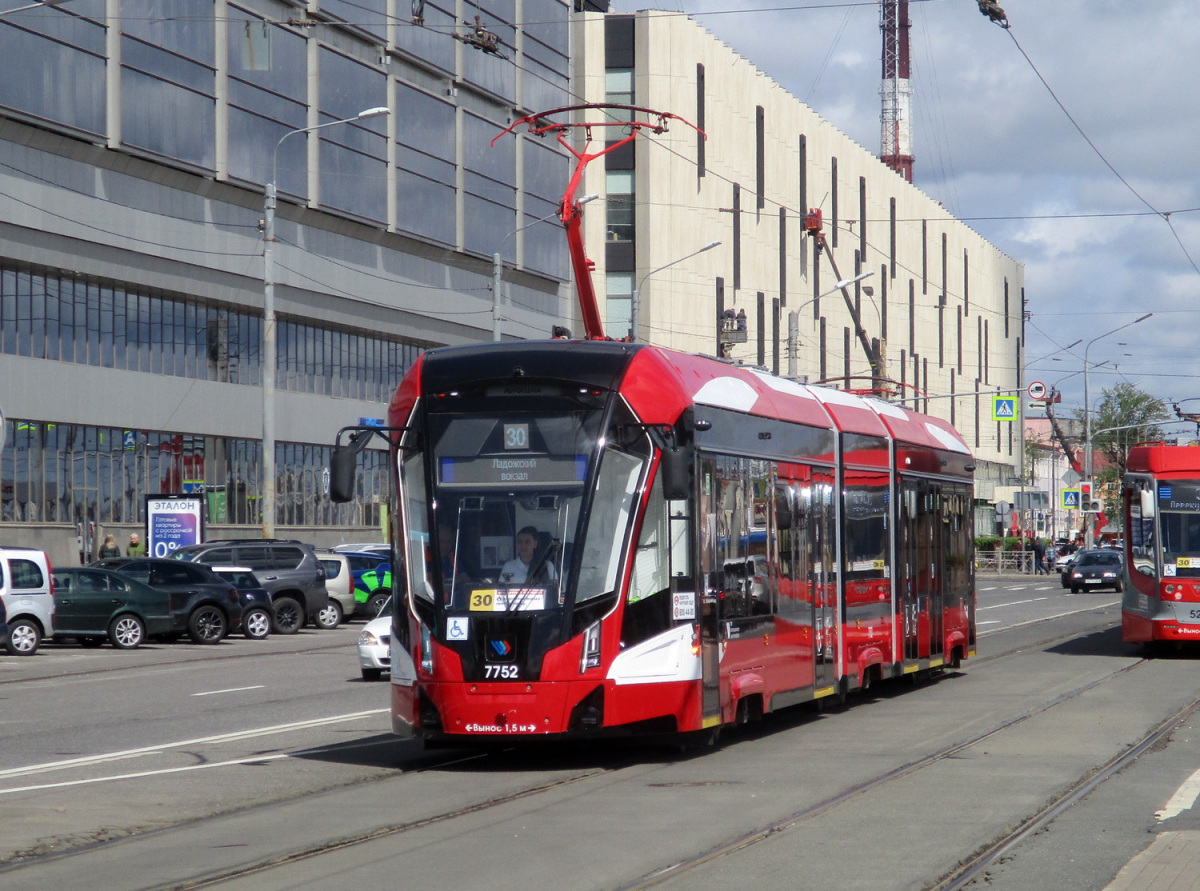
(135, 548)
(109, 547)
(1039, 557)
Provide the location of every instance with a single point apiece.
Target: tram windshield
(1179, 522)
(518, 518)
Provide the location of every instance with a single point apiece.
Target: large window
(47, 315)
(168, 83)
(72, 473)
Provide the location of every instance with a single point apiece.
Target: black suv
(289, 570)
(201, 603)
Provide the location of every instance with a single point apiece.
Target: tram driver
(528, 567)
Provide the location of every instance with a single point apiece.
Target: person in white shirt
(516, 570)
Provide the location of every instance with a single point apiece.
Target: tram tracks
(966, 872)
(981, 859)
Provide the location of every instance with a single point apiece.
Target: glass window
(619, 204)
(54, 67)
(619, 302)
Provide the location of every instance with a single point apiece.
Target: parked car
(375, 592)
(339, 582)
(290, 570)
(27, 591)
(1100, 568)
(97, 604)
(362, 562)
(203, 604)
(366, 547)
(258, 612)
(375, 645)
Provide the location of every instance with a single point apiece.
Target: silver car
(375, 645)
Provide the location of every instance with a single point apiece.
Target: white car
(375, 646)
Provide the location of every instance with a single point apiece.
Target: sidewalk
(1171, 863)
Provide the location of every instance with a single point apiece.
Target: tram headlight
(591, 647)
(426, 649)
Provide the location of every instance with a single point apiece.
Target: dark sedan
(1096, 569)
(258, 612)
(91, 605)
(203, 604)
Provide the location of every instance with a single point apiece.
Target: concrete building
(136, 147)
(943, 305)
(136, 150)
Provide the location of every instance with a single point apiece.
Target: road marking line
(249, 759)
(232, 690)
(1182, 800)
(1013, 603)
(219, 738)
(1073, 612)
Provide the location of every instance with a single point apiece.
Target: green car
(372, 591)
(92, 605)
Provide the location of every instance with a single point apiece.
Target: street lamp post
(1087, 421)
(498, 265)
(635, 310)
(269, 334)
(794, 318)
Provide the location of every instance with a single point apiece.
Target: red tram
(1161, 503)
(600, 536)
(712, 542)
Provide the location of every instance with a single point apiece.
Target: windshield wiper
(535, 570)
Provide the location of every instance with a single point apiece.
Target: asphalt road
(269, 765)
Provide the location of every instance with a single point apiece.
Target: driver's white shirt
(515, 572)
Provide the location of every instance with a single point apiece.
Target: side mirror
(343, 464)
(677, 474)
(1148, 505)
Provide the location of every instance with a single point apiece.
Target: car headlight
(367, 639)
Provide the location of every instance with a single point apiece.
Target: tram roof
(906, 425)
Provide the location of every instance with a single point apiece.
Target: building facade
(940, 312)
(136, 150)
(137, 145)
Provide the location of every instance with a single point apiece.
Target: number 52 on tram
(601, 537)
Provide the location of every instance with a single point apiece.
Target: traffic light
(1087, 502)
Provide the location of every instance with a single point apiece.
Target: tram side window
(648, 608)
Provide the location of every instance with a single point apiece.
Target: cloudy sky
(1108, 230)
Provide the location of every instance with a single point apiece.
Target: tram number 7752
(501, 672)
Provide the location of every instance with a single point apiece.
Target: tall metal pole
(497, 272)
(1087, 423)
(270, 350)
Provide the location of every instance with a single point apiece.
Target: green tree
(1134, 415)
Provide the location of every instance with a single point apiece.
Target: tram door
(911, 554)
(710, 620)
(823, 581)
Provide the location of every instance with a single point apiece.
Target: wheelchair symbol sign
(458, 628)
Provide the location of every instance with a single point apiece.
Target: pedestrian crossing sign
(1070, 499)
(1004, 408)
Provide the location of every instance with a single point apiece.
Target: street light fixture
(1087, 418)
(636, 308)
(30, 6)
(794, 317)
(269, 334)
(498, 264)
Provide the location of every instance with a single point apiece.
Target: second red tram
(1161, 503)
(609, 537)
